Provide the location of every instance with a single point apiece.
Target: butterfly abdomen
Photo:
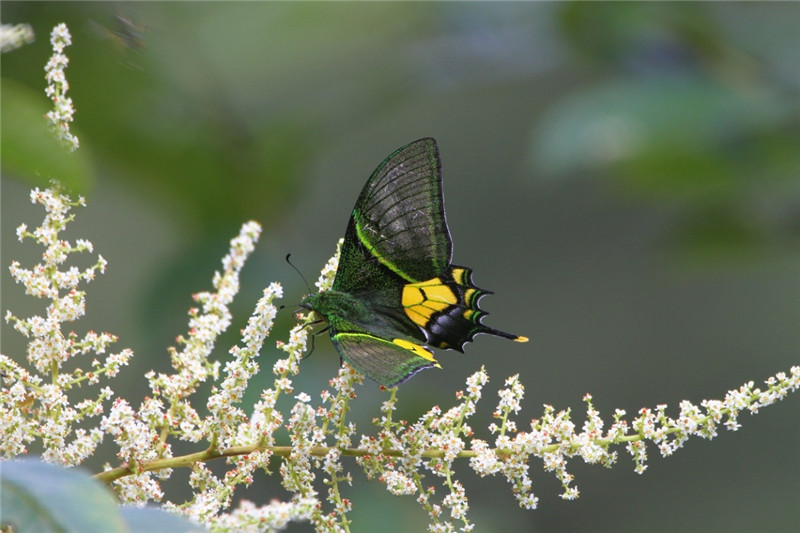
(446, 308)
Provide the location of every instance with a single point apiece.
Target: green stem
(320, 451)
(281, 451)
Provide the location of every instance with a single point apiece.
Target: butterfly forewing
(399, 216)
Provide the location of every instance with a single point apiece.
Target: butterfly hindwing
(389, 362)
(446, 308)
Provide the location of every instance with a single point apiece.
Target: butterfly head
(312, 304)
(307, 302)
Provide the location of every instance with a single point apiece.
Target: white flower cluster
(325, 280)
(135, 439)
(669, 434)
(169, 411)
(415, 458)
(308, 428)
(554, 439)
(57, 86)
(250, 442)
(13, 36)
(38, 404)
(249, 517)
(402, 451)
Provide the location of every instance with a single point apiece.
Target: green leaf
(45, 498)
(151, 519)
(650, 119)
(42, 497)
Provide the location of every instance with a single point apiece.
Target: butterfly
(396, 294)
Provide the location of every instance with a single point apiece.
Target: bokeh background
(625, 177)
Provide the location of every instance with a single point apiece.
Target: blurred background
(625, 177)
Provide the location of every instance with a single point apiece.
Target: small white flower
(325, 280)
(13, 36)
(61, 116)
(22, 230)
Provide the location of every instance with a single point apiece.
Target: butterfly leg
(313, 337)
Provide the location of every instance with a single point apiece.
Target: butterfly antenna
(298, 272)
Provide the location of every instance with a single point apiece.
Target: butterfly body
(395, 292)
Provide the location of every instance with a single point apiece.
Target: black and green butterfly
(395, 291)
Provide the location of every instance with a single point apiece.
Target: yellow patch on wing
(417, 349)
(520, 338)
(421, 300)
(469, 294)
(460, 276)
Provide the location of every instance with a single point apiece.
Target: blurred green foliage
(585, 146)
(48, 498)
(30, 150)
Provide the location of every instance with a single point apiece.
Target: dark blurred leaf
(671, 123)
(639, 34)
(726, 157)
